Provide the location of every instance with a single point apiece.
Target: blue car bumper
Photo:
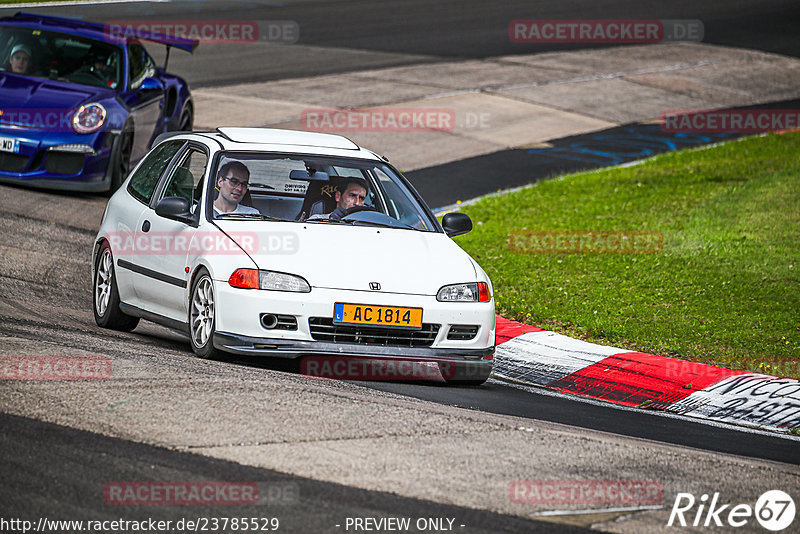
(57, 160)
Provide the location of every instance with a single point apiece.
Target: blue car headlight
(89, 118)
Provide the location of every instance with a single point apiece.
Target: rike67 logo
(774, 510)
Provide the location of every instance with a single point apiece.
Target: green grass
(724, 289)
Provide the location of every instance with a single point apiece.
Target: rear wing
(110, 32)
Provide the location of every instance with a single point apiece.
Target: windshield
(59, 56)
(314, 190)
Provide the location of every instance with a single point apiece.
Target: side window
(141, 65)
(186, 180)
(144, 181)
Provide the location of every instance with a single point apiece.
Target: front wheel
(105, 301)
(201, 317)
(120, 160)
(187, 120)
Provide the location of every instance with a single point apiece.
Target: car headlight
(269, 280)
(474, 292)
(89, 118)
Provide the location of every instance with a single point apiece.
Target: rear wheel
(107, 312)
(202, 309)
(465, 374)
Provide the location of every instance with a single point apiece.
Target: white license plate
(9, 144)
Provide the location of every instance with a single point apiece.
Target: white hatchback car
(291, 244)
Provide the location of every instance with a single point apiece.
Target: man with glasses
(232, 181)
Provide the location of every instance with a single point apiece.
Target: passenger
(21, 59)
(350, 192)
(232, 181)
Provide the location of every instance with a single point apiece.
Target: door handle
(146, 226)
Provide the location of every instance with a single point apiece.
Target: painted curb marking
(533, 356)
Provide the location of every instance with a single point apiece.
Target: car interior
(57, 55)
(294, 203)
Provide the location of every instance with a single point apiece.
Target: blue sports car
(79, 105)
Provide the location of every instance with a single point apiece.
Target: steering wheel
(355, 209)
(87, 76)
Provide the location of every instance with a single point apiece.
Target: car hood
(24, 93)
(352, 257)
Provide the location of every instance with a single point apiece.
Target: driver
(20, 59)
(97, 65)
(233, 179)
(350, 192)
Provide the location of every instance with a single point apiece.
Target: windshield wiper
(397, 224)
(330, 221)
(258, 216)
(356, 222)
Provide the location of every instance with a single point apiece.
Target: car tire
(121, 159)
(464, 374)
(105, 295)
(202, 316)
(186, 121)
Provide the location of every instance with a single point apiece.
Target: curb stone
(537, 357)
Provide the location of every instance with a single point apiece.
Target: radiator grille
(323, 329)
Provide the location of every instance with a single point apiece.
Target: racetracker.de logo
(620, 31)
(50, 119)
(180, 493)
(730, 120)
(378, 120)
(207, 243)
(55, 368)
(346, 368)
(569, 492)
(206, 31)
(772, 367)
(570, 242)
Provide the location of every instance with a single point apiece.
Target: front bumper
(38, 162)
(239, 329)
(289, 348)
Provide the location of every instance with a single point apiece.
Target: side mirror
(456, 224)
(151, 84)
(175, 208)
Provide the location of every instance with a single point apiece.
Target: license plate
(9, 144)
(371, 314)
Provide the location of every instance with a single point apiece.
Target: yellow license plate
(377, 315)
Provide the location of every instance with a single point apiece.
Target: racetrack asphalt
(59, 473)
(481, 175)
(345, 36)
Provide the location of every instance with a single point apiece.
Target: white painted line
(550, 513)
(76, 3)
